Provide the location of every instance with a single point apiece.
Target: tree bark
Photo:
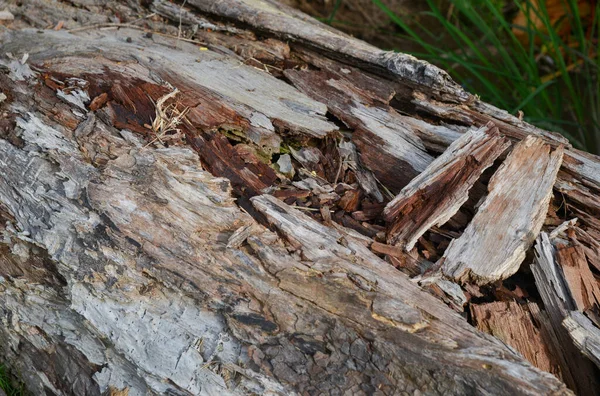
(143, 247)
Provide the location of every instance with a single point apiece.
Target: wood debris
(505, 226)
(577, 371)
(513, 323)
(269, 133)
(434, 196)
(387, 145)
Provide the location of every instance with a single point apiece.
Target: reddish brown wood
(513, 324)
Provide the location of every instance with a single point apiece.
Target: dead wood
(576, 370)
(514, 324)
(434, 196)
(506, 224)
(585, 335)
(194, 204)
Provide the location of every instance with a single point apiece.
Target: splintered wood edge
(389, 146)
(585, 335)
(477, 256)
(577, 371)
(578, 277)
(486, 143)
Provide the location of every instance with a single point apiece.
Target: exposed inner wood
(577, 371)
(434, 196)
(583, 286)
(387, 145)
(513, 324)
(495, 242)
(244, 249)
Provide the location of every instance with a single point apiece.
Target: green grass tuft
(8, 385)
(551, 76)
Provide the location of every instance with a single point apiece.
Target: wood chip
(350, 201)
(506, 224)
(98, 101)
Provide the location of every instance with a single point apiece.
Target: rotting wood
(387, 145)
(476, 112)
(374, 89)
(582, 285)
(585, 335)
(146, 239)
(258, 312)
(579, 178)
(242, 86)
(365, 177)
(583, 289)
(275, 18)
(434, 196)
(512, 323)
(506, 224)
(577, 371)
(430, 84)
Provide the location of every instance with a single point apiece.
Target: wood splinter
(495, 242)
(435, 195)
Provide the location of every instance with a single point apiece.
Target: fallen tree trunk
(166, 197)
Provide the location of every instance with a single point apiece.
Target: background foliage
(535, 56)
(8, 386)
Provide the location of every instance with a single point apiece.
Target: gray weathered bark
(156, 261)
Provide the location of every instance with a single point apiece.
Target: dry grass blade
(167, 119)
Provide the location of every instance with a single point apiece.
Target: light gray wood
(495, 242)
(127, 266)
(242, 87)
(585, 335)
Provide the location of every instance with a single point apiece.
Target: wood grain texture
(508, 221)
(436, 194)
(131, 266)
(513, 324)
(386, 143)
(577, 371)
(580, 280)
(275, 18)
(149, 278)
(585, 335)
(207, 70)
